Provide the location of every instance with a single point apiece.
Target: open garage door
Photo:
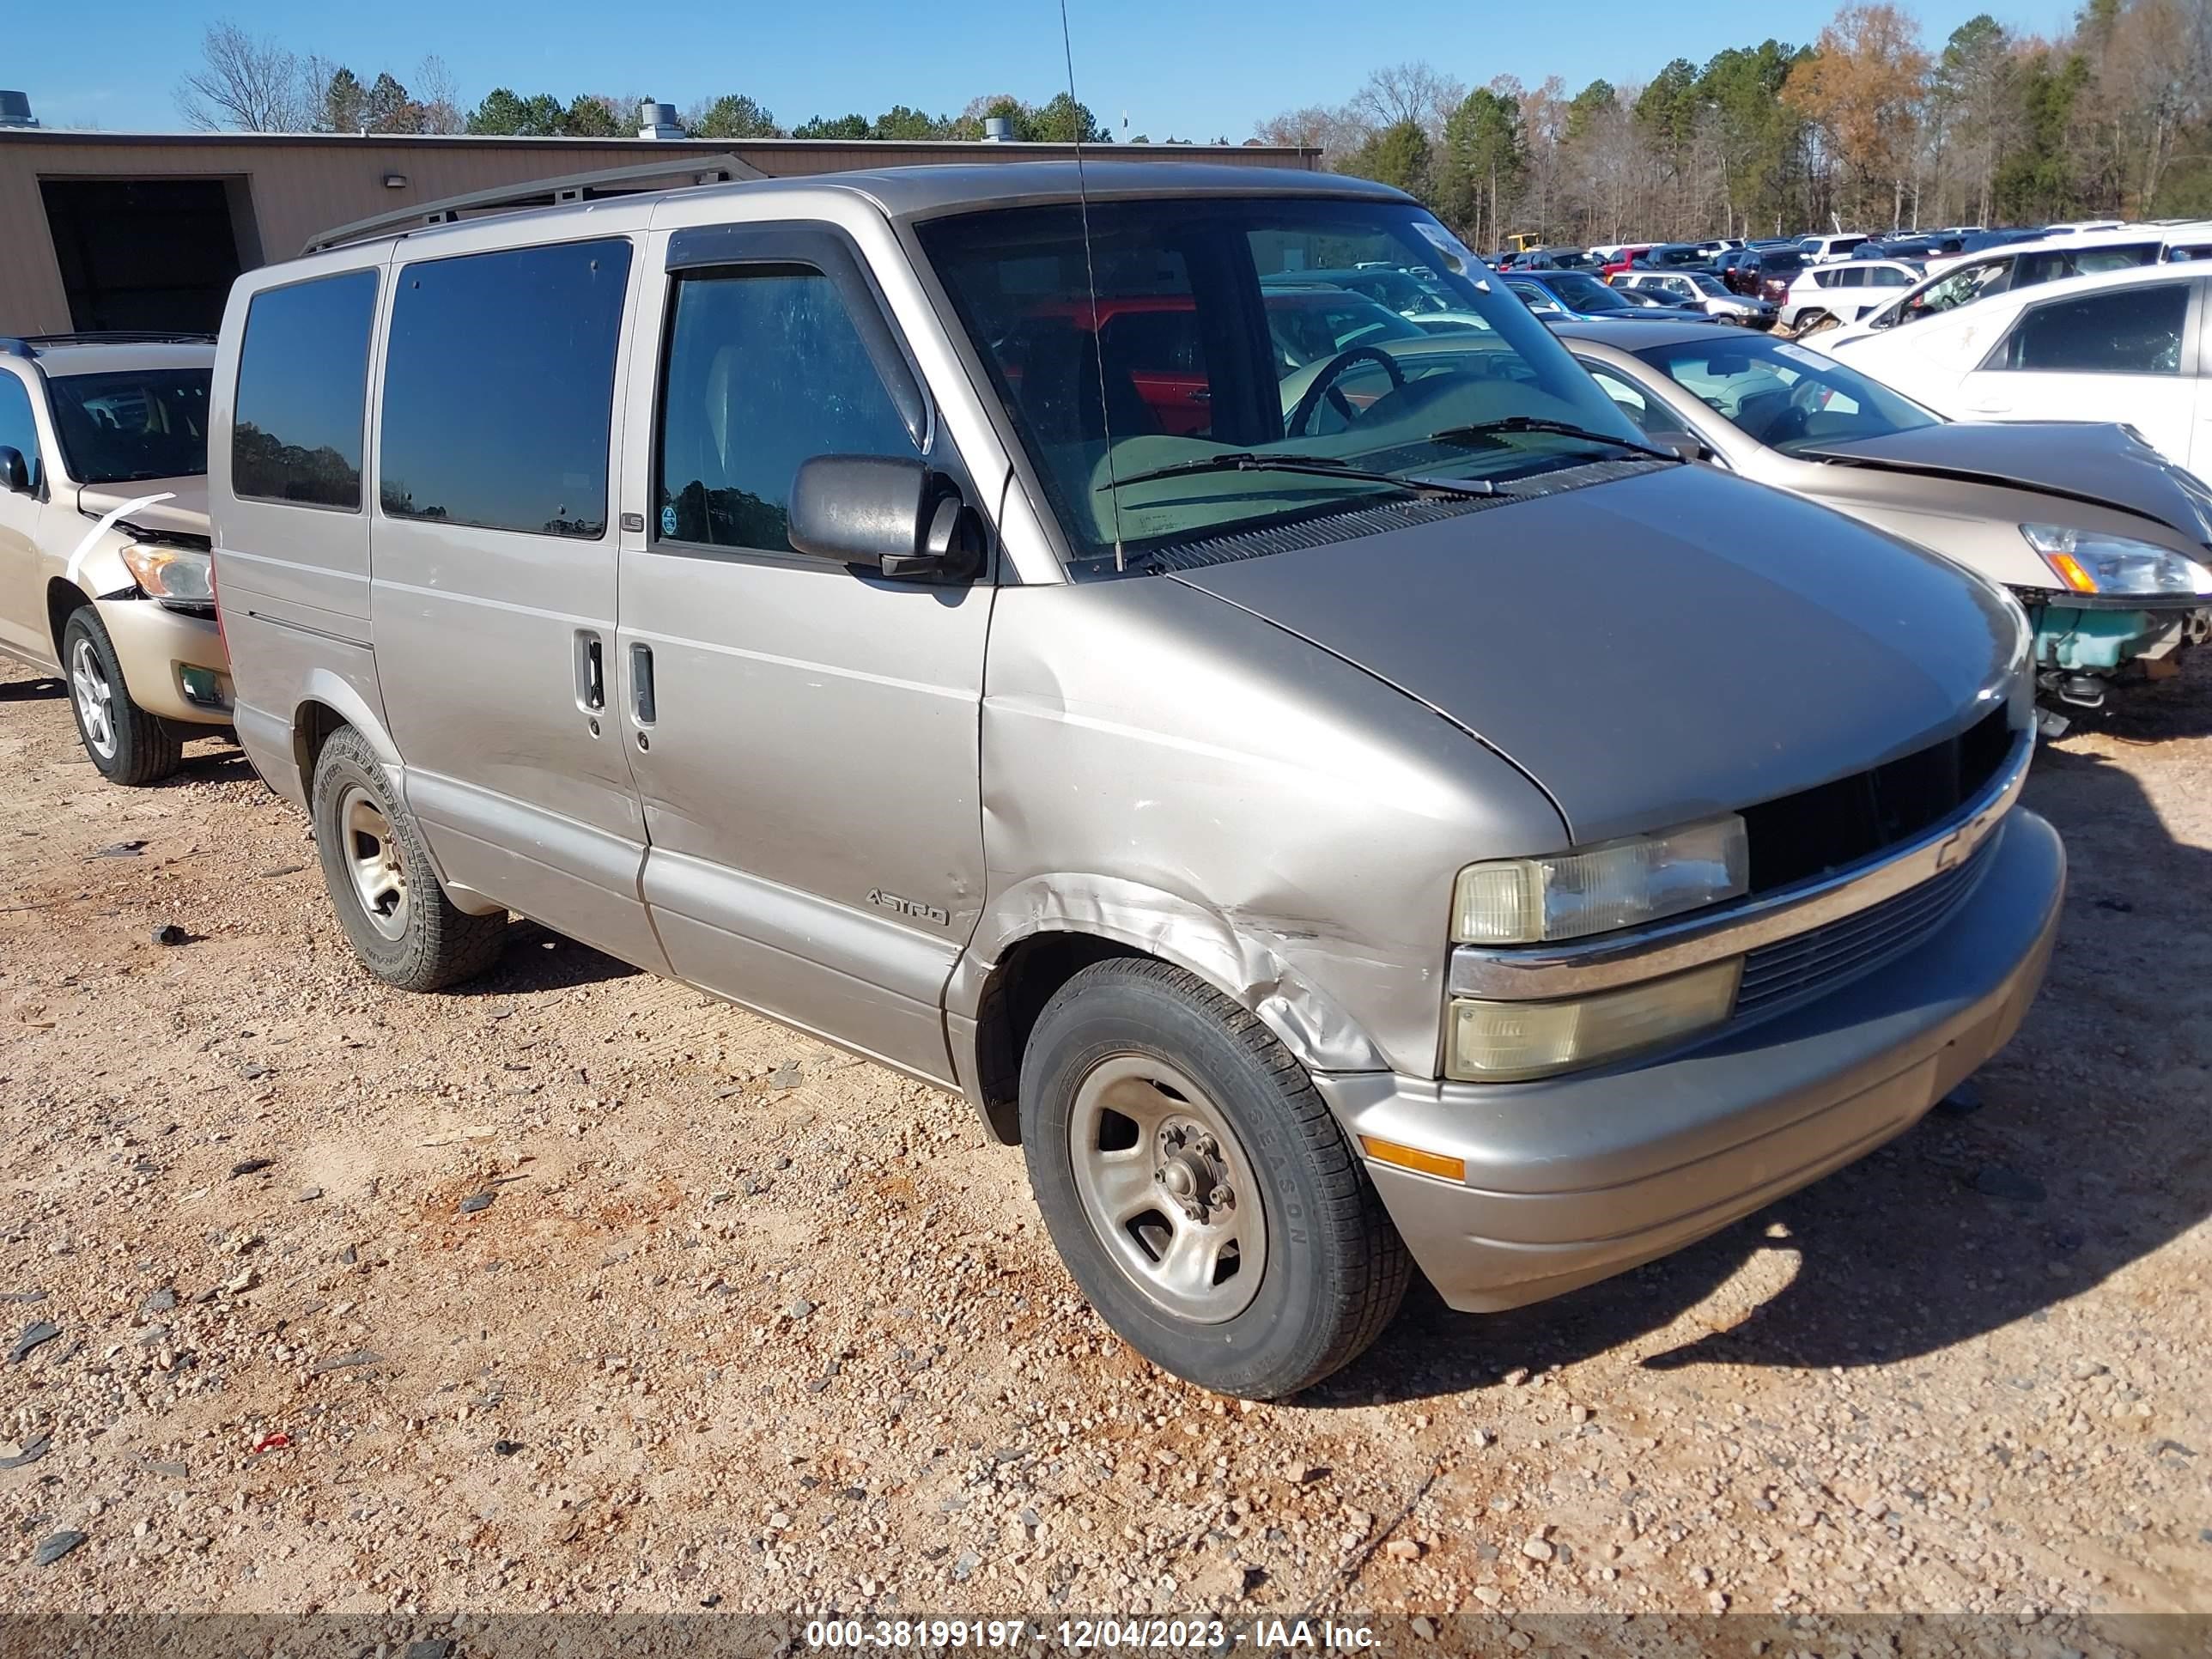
(144, 253)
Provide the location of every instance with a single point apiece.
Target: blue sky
(1193, 70)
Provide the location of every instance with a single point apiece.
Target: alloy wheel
(95, 699)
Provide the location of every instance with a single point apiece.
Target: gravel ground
(577, 1290)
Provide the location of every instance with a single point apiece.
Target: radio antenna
(1090, 277)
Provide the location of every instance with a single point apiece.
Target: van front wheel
(396, 918)
(1197, 1186)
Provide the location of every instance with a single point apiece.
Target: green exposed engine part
(2072, 639)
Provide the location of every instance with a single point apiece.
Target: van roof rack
(29, 345)
(678, 172)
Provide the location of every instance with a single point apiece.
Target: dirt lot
(748, 1324)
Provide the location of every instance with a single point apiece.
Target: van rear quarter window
(302, 392)
(499, 389)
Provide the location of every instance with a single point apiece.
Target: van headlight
(1617, 885)
(2090, 561)
(171, 573)
(1514, 1041)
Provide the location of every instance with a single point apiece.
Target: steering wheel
(1324, 385)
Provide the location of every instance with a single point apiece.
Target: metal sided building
(101, 230)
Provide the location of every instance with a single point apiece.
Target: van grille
(1831, 826)
(1822, 958)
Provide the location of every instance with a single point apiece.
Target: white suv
(1966, 279)
(2119, 347)
(1819, 250)
(1823, 296)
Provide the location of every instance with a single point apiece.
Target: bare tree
(1407, 92)
(1335, 132)
(253, 86)
(441, 98)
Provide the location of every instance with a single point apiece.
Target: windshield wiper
(1476, 430)
(1318, 466)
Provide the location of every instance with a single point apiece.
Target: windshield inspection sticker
(1457, 253)
(668, 521)
(1804, 354)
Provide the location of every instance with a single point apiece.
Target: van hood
(184, 513)
(1657, 648)
(2096, 462)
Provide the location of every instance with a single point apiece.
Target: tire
(398, 919)
(126, 744)
(1219, 1111)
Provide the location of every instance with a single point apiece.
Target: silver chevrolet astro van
(965, 613)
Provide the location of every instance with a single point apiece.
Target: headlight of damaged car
(172, 573)
(1617, 885)
(2092, 561)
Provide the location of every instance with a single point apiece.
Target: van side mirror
(1684, 444)
(898, 515)
(15, 471)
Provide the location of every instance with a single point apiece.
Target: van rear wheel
(398, 919)
(1197, 1186)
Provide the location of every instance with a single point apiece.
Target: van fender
(334, 691)
(337, 693)
(1240, 953)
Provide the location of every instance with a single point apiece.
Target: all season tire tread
(1361, 1235)
(444, 944)
(146, 750)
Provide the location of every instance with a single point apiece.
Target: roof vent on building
(16, 110)
(657, 121)
(998, 128)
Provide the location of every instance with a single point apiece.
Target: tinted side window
(303, 391)
(765, 370)
(19, 430)
(499, 389)
(2137, 331)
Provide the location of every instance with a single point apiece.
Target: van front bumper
(1576, 1178)
(175, 665)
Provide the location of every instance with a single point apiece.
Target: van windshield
(1234, 327)
(143, 423)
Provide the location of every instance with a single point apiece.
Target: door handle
(641, 684)
(591, 672)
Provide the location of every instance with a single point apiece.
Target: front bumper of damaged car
(174, 660)
(1571, 1179)
(2129, 635)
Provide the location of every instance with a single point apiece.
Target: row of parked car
(1349, 777)
(1811, 284)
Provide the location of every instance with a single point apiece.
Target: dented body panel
(1193, 783)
